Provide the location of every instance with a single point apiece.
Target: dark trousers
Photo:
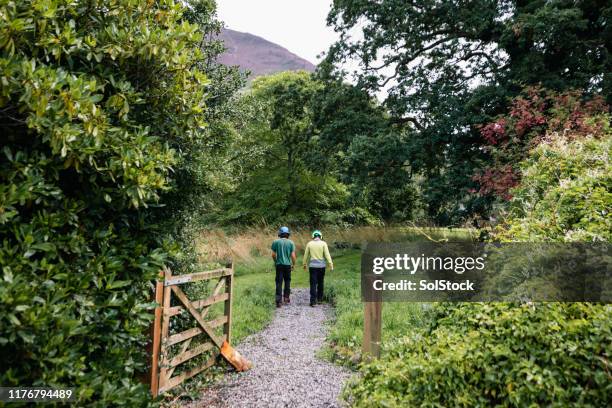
(316, 284)
(283, 273)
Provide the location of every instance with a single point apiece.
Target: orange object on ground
(234, 357)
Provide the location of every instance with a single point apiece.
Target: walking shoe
(278, 304)
(312, 304)
(287, 299)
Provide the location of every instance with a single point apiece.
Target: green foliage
(348, 126)
(342, 112)
(447, 67)
(318, 198)
(502, 354)
(565, 193)
(278, 178)
(199, 176)
(496, 355)
(306, 156)
(372, 162)
(100, 102)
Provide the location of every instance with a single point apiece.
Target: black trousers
(283, 273)
(316, 284)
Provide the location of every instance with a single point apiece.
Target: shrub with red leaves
(527, 115)
(497, 181)
(534, 115)
(495, 132)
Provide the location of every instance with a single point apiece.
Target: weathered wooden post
(372, 329)
(159, 295)
(229, 283)
(372, 321)
(165, 329)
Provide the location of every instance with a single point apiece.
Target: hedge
(483, 355)
(93, 97)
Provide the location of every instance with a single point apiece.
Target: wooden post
(372, 320)
(372, 328)
(229, 283)
(165, 329)
(159, 295)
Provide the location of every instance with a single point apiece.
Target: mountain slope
(260, 56)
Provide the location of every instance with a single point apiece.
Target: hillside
(259, 56)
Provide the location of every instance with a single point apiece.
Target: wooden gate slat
(209, 330)
(187, 334)
(199, 304)
(208, 302)
(194, 277)
(213, 323)
(188, 374)
(156, 347)
(227, 311)
(163, 371)
(186, 355)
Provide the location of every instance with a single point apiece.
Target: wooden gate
(162, 364)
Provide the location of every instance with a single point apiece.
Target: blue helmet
(283, 230)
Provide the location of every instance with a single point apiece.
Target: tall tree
(449, 66)
(274, 179)
(357, 143)
(288, 97)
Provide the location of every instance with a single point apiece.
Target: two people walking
(316, 258)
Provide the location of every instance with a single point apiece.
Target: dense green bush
(565, 194)
(501, 354)
(497, 355)
(93, 98)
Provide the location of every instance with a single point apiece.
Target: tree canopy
(449, 66)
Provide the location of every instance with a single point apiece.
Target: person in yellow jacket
(316, 256)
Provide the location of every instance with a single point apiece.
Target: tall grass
(253, 305)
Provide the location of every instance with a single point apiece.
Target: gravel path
(286, 371)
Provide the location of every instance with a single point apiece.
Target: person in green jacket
(283, 254)
(317, 257)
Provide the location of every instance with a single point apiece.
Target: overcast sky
(297, 25)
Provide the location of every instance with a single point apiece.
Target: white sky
(297, 25)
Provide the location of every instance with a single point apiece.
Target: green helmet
(317, 233)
